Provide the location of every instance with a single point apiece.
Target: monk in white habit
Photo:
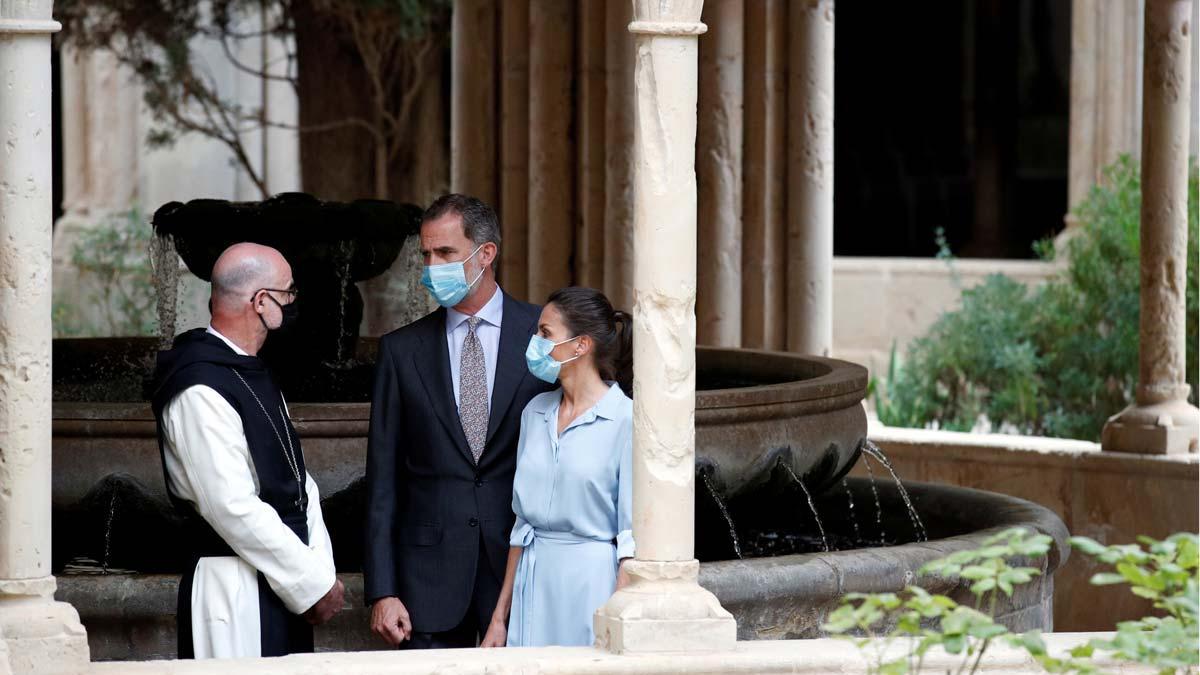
(262, 571)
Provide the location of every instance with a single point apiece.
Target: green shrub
(113, 259)
(1055, 360)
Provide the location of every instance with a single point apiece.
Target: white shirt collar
(238, 350)
(491, 313)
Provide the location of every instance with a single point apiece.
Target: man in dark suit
(442, 449)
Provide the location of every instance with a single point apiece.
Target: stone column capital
(685, 28)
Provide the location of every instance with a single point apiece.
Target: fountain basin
(131, 617)
(754, 409)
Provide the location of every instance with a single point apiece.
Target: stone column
(1106, 52)
(40, 635)
(719, 175)
(618, 160)
(514, 147)
(664, 608)
(1081, 157)
(810, 179)
(1162, 421)
(551, 148)
(473, 99)
(589, 120)
(764, 246)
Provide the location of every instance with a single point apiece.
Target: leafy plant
(1055, 360)
(1161, 571)
(113, 259)
(927, 620)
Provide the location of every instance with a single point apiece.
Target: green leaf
(1088, 546)
(983, 586)
(1143, 592)
(1106, 578)
(954, 644)
(1083, 651)
(976, 572)
(987, 631)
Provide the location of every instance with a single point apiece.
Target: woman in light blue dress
(572, 492)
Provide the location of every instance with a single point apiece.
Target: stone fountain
(775, 435)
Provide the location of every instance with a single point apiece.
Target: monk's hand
(390, 621)
(497, 633)
(328, 605)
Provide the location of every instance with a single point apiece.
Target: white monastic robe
(208, 464)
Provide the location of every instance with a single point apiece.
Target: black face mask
(290, 312)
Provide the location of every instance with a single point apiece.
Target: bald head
(243, 269)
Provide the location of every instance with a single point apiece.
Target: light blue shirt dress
(573, 498)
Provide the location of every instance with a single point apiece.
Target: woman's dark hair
(586, 311)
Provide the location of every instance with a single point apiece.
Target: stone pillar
(473, 99)
(664, 608)
(1106, 52)
(551, 148)
(514, 147)
(589, 120)
(1162, 421)
(719, 175)
(1081, 157)
(810, 179)
(39, 634)
(618, 160)
(764, 246)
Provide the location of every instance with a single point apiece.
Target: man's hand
(327, 606)
(389, 620)
(496, 635)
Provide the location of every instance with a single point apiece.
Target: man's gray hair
(242, 278)
(480, 224)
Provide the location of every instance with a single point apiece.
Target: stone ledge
(1013, 449)
(790, 656)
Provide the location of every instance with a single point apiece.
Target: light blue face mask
(541, 364)
(448, 283)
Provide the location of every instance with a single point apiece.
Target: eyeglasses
(293, 291)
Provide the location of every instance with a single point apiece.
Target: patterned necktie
(472, 390)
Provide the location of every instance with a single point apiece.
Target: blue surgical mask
(541, 364)
(448, 283)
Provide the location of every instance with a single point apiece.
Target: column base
(664, 609)
(1167, 428)
(39, 634)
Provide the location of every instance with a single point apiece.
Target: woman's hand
(623, 578)
(496, 635)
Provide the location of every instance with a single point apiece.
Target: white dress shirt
(488, 331)
(208, 464)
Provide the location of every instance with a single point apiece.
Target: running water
(875, 492)
(112, 510)
(811, 504)
(737, 546)
(853, 517)
(919, 527)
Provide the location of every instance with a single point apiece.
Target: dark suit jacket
(427, 501)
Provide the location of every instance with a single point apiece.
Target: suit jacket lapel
(515, 329)
(432, 362)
